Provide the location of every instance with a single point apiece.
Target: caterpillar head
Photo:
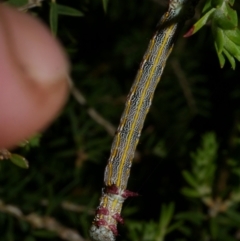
(183, 8)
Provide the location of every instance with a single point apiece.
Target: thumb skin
(33, 77)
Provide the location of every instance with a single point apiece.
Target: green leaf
(65, 10)
(18, 3)
(222, 20)
(220, 56)
(165, 218)
(176, 225)
(32, 142)
(206, 7)
(189, 192)
(232, 15)
(53, 17)
(200, 23)
(19, 161)
(105, 3)
(219, 38)
(166, 214)
(190, 179)
(35, 140)
(233, 35)
(230, 58)
(232, 48)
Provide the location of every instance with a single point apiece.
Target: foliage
(189, 149)
(224, 23)
(14, 158)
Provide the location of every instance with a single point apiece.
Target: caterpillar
(104, 226)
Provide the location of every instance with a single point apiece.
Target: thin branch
(91, 111)
(42, 222)
(30, 4)
(184, 85)
(72, 207)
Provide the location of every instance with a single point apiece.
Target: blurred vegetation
(186, 168)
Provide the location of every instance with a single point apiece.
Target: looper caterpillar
(104, 227)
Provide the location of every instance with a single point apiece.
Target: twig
(184, 85)
(40, 222)
(30, 4)
(72, 207)
(91, 111)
